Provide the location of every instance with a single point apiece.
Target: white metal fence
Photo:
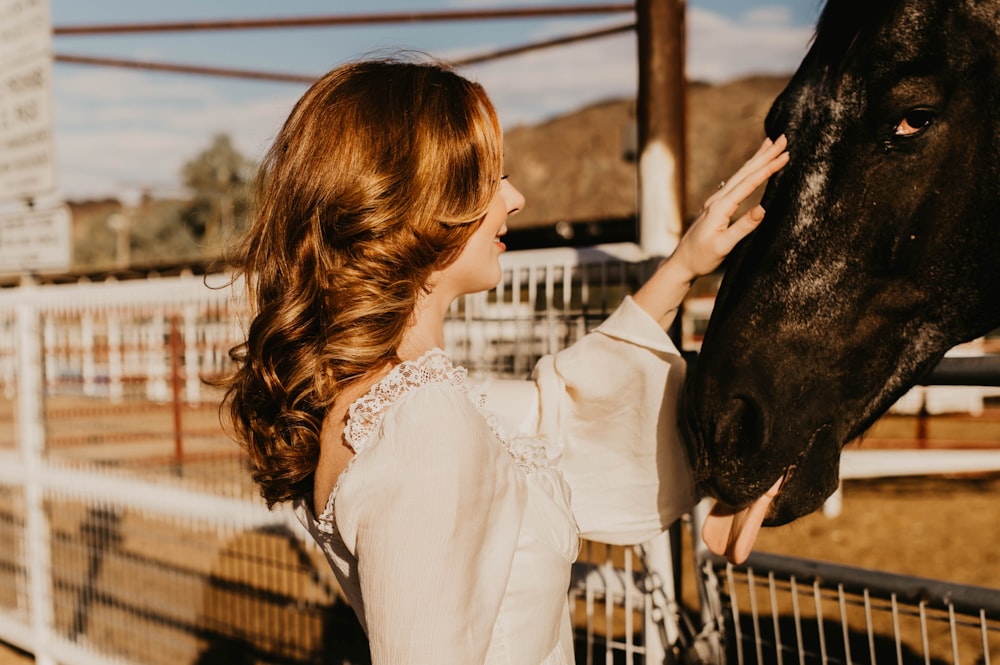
(130, 533)
(777, 609)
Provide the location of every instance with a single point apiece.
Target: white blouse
(453, 529)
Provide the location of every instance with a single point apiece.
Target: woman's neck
(427, 329)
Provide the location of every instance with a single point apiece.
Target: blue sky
(118, 131)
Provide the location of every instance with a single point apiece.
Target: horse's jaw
(808, 482)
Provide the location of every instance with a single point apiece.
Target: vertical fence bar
(175, 389)
(984, 632)
(192, 382)
(797, 613)
(629, 603)
(896, 631)
(775, 617)
(657, 561)
(755, 614)
(818, 604)
(844, 625)
(115, 366)
(156, 369)
(31, 435)
(87, 352)
(609, 608)
(953, 631)
(737, 629)
(869, 627)
(923, 633)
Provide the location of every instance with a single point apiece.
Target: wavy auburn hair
(377, 179)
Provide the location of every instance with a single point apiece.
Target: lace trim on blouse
(367, 412)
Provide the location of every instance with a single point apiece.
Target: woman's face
(477, 267)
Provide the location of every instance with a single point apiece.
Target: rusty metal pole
(660, 115)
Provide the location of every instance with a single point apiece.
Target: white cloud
(720, 49)
(540, 84)
(537, 85)
(770, 16)
(118, 131)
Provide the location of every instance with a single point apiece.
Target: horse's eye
(914, 122)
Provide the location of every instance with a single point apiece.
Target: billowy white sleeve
(609, 404)
(432, 514)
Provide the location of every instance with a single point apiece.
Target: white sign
(27, 164)
(35, 240)
(26, 147)
(25, 28)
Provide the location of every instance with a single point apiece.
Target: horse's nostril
(738, 467)
(742, 430)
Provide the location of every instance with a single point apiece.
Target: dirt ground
(11, 656)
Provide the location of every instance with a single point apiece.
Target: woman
(450, 513)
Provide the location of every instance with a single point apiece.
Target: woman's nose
(511, 196)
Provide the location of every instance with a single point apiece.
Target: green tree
(218, 178)
(159, 234)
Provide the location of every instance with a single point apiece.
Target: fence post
(660, 117)
(31, 437)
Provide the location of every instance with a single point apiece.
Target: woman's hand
(711, 236)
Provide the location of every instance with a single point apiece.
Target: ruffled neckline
(366, 412)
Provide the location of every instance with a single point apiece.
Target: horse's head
(879, 251)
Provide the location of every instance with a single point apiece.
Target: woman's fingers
(755, 171)
(745, 224)
(713, 234)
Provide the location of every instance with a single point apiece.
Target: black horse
(880, 249)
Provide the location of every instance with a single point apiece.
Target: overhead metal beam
(285, 77)
(342, 20)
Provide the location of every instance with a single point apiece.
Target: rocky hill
(578, 169)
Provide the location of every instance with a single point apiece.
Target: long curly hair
(379, 176)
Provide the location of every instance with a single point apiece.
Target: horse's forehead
(920, 20)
